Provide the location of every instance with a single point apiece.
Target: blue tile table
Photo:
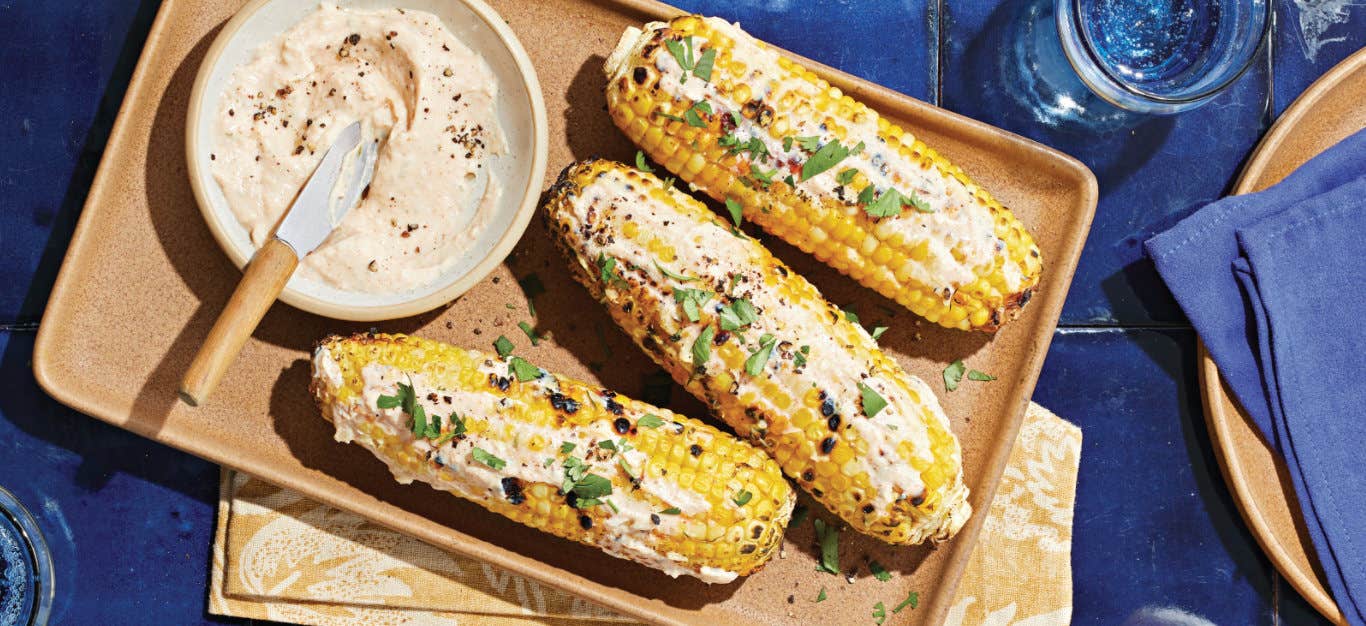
(1158, 539)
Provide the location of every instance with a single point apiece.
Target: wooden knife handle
(265, 277)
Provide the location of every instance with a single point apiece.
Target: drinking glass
(25, 567)
(1161, 56)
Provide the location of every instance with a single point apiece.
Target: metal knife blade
(319, 207)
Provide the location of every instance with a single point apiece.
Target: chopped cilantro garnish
(735, 210)
(650, 420)
(734, 278)
(820, 597)
(879, 572)
(980, 376)
(953, 374)
(567, 447)
(809, 144)
(760, 175)
(828, 156)
(701, 348)
(829, 538)
(607, 271)
(419, 421)
(879, 613)
(703, 68)
(388, 402)
(531, 287)
(791, 182)
(919, 203)
(755, 363)
(846, 176)
(606, 444)
(887, 205)
(799, 359)
(877, 332)
(743, 498)
(798, 516)
(484, 457)
(433, 427)
(667, 116)
(640, 162)
(673, 510)
(523, 369)
(692, 300)
(530, 333)
(787, 143)
(674, 275)
(866, 196)
(683, 54)
(692, 118)
(621, 462)
(592, 486)
(850, 315)
(737, 315)
(873, 402)
(612, 505)
(912, 600)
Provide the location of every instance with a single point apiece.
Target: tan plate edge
(1217, 400)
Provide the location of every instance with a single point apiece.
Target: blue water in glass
(16, 575)
(1154, 45)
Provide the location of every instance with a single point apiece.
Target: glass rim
(1268, 17)
(36, 545)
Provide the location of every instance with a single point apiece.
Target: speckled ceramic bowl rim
(220, 222)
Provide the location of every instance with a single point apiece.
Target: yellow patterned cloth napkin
(280, 556)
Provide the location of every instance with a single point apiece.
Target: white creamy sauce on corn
(960, 235)
(708, 250)
(630, 527)
(417, 89)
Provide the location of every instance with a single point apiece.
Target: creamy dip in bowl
(442, 85)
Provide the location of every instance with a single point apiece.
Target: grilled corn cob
(576, 461)
(813, 166)
(780, 364)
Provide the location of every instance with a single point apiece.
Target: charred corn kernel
(757, 95)
(360, 383)
(779, 363)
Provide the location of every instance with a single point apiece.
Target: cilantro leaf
(683, 55)
(850, 315)
(674, 275)
(567, 447)
(820, 597)
(873, 402)
(530, 333)
(704, 65)
(828, 156)
(607, 271)
(743, 498)
(701, 348)
(650, 420)
(592, 486)
(481, 455)
(799, 359)
(673, 510)
(829, 538)
(919, 203)
(866, 196)
(736, 212)
(692, 300)
(879, 613)
(737, 315)
(640, 162)
(809, 144)
(879, 572)
(912, 600)
(953, 374)
(523, 369)
(980, 376)
(846, 176)
(756, 361)
(877, 332)
(887, 205)
(388, 402)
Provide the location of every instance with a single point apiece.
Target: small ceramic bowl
(520, 170)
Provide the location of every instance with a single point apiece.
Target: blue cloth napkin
(1275, 284)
